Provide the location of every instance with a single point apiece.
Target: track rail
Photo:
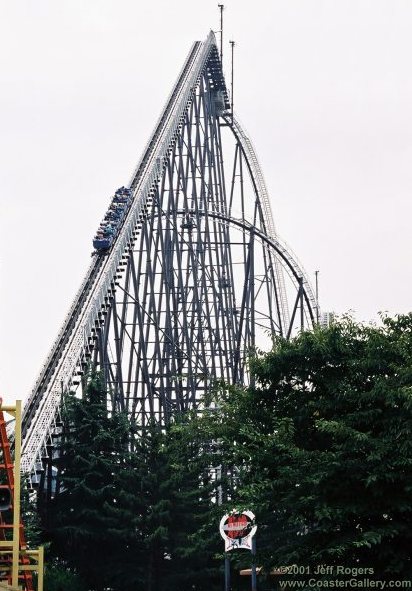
(41, 409)
(260, 186)
(60, 342)
(261, 189)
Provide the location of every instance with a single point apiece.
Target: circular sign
(237, 526)
(237, 529)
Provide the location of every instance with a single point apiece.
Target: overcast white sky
(323, 87)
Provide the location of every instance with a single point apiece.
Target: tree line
(319, 448)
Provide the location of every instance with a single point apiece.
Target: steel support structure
(197, 280)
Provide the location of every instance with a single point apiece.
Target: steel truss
(196, 282)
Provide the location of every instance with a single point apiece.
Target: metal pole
(302, 318)
(254, 578)
(221, 7)
(227, 573)
(317, 296)
(252, 296)
(232, 43)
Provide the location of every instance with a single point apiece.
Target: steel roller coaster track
(195, 281)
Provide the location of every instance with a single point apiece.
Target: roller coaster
(189, 275)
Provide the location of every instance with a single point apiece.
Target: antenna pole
(221, 7)
(232, 43)
(317, 296)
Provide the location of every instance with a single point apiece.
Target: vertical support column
(232, 43)
(227, 573)
(252, 298)
(40, 572)
(302, 315)
(221, 7)
(49, 472)
(252, 288)
(254, 577)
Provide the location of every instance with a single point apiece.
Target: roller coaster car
(123, 191)
(102, 243)
(120, 199)
(110, 226)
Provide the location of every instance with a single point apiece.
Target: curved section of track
(287, 255)
(284, 253)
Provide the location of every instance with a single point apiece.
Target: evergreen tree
(165, 506)
(92, 452)
(30, 517)
(194, 537)
(58, 576)
(133, 510)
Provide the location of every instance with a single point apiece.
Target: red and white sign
(237, 530)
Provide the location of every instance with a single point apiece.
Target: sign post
(254, 578)
(227, 572)
(238, 530)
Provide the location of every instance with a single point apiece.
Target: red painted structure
(6, 517)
